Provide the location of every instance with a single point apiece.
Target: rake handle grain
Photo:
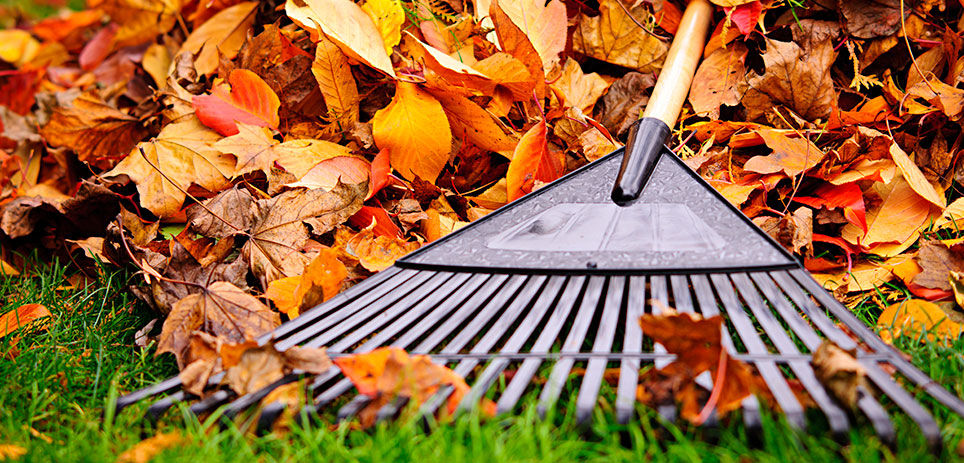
(646, 138)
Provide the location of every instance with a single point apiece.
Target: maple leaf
(96, 131)
(248, 100)
(378, 252)
(614, 37)
(256, 149)
(221, 309)
(543, 23)
(720, 80)
(345, 24)
(333, 74)
(321, 281)
(790, 155)
(220, 36)
(415, 130)
(532, 162)
(389, 372)
(577, 89)
(164, 168)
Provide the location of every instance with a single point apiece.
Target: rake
(558, 280)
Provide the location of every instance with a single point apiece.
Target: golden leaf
(337, 85)
(346, 25)
(615, 38)
(414, 128)
(222, 35)
(388, 17)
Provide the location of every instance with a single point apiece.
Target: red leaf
(247, 100)
(384, 226)
(532, 161)
(745, 16)
(930, 294)
(381, 167)
(98, 48)
(847, 196)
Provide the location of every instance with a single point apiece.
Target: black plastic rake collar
(499, 294)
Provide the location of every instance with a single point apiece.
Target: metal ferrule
(646, 139)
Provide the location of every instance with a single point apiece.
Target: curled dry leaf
(377, 252)
(544, 23)
(220, 37)
(256, 367)
(839, 372)
(247, 100)
(22, 316)
(345, 24)
(791, 155)
(96, 131)
(720, 80)
(532, 162)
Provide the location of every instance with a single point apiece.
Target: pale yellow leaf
(916, 178)
(347, 25)
(388, 17)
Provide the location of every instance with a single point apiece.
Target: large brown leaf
(795, 77)
(615, 38)
(99, 133)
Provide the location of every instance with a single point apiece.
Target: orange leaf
(915, 317)
(377, 253)
(383, 224)
(790, 155)
(21, 317)
(248, 100)
(381, 168)
(532, 161)
(515, 42)
(413, 127)
(915, 177)
(543, 23)
(321, 281)
(326, 174)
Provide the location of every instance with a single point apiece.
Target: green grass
(53, 395)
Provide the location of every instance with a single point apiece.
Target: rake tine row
(488, 320)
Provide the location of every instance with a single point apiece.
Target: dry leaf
(401, 128)
(96, 131)
(839, 372)
(388, 17)
(796, 77)
(145, 450)
(335, 80)
(790, 155)
(377, 253)
(532, 162)
(919, 318)
(22, 316)
(720, 80)
(322, 279)
(247, 100)
(615, 38)
(345, 24)
(544, 23)
(220, 36)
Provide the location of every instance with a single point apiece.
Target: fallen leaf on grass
(389, 372)
(22, 316)
(839, 372)
(145, 450)
(919, 318)
(11, 452)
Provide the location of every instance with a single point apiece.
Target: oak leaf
(165, 167)
(223, 310)
(321, 281)
(532, 161)
(345, 24)
(248, 100)
(96, 131)
(220, 36)
(614, 37)
(414, 128)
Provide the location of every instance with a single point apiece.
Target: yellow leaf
(388, 17)
(915, 177)
(952, 216)
(299, 156)
(147, 449)
(139, 20)
(347, 25)
(337, 85)
(579, 90)
(157, 61)
(17, 46)
(181, 155)
(222, 35)
(416, 131)
(475, 125)
(7, 269)
(914, 317)
(897, 219)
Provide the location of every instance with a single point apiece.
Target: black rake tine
(546, 300)
(928, 427)
(355, 405)
(552, 389)
(768, 369)
(605, 333)
(162, 387)
(896, 359)
(525, 372)
(836, 417)
(632, 344)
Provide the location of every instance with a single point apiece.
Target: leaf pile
(252, 159)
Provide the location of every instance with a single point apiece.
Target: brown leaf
(96, 131)
(839, 372)
(145, 450)
(221, 309)
(869, 19)
(579, 90)
(936, 260)
(720, 80)
(321, 281)
(622, 104)
(795, 77)
(220, 36)
(257, 368)
(793, 231)
(615, 38)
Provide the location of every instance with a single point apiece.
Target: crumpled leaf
(258, 366)
(795, 77)
(936, 261)
(378, 252)
(321, 281)
(96, 131)
(839, 372)
(401, 128)
(248, 100)
(223, 310)
(869, 19)
(720, 80)
(345, 24)
(220, 36)
(615, 38)
(181, 155)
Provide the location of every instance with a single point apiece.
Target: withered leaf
(96, 131)
(614, 37)
(796, 77)
(720, 80)
(839, 372)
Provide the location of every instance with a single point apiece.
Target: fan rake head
(559, 280)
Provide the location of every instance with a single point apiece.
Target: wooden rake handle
(647, 136)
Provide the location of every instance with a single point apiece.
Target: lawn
(54, 393)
